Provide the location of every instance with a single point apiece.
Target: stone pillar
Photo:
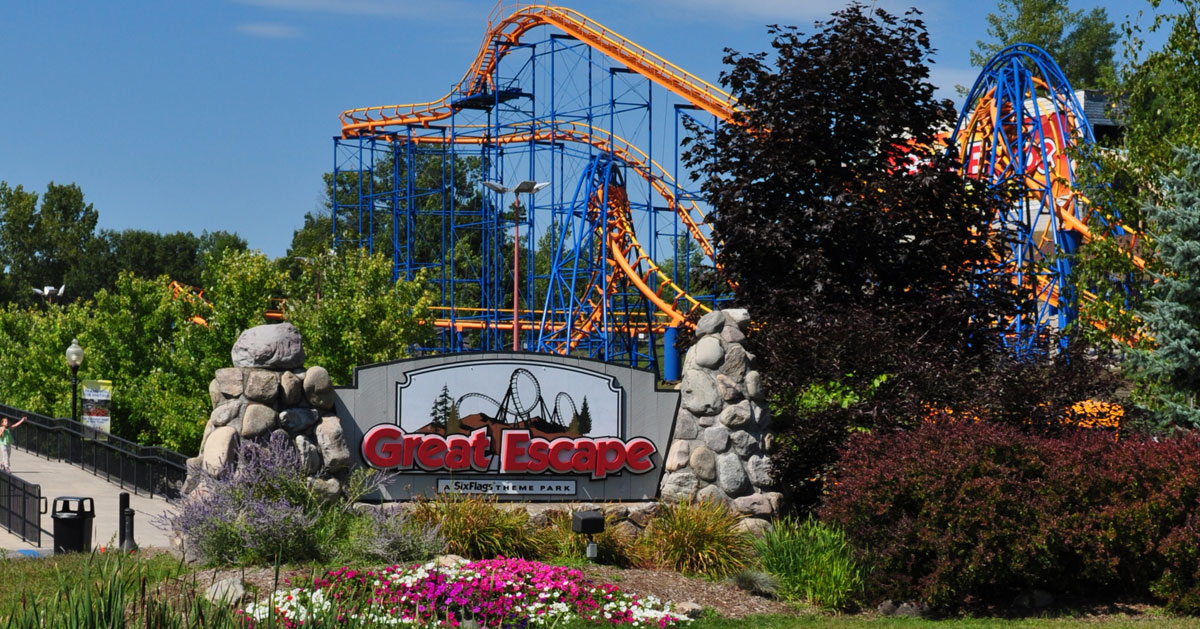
(268, 390)
(719, 449)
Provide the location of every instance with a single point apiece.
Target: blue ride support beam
(671, 371)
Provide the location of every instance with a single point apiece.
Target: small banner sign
(97, 401)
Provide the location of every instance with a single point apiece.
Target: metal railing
(142, 469)
(21, 508)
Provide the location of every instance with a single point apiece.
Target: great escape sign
(517, 426)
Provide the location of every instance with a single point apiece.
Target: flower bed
(490, 593)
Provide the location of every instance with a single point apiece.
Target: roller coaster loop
(1022, 125)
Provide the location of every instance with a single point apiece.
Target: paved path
(63, 479)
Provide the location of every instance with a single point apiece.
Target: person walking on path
(6, 440)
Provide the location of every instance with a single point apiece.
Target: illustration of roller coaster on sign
(544, 196)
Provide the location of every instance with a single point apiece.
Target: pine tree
(441, 408)
(453, 422)
(585, 418)
(1169, 374)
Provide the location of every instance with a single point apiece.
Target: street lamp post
(74, 360)
(530, 187)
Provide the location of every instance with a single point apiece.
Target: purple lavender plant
(256, 510)
(392, 538)
(262, 510)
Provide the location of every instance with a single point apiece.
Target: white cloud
(268, 30)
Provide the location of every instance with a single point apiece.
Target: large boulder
(716, 438)
(258, 419)
(677, 486)
(736, 362)
(219, 449)
(291, 390)
(226, 414)
(261, 385)
(678, 455)
(703, 463)
(731, 476)
(310, 455)
(332, 441)
(273, 346)
(700, 394)
(318, 388)
(214, 393)
(739, 317)
(686, 426)
(229, 382)
(710, 323)
(707, 353)
(298, 419)
(737, 416)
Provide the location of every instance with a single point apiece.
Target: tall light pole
(530, 187)
(74, 360)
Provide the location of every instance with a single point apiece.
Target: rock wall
(267, 391)
(721, 444)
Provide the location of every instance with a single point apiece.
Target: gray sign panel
(517, 426)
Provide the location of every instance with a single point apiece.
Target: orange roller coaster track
(496, 113)
(607, 283)
(508, 32)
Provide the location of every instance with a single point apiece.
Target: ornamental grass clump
(813, 561)
(108, 590)
(695, 538)
(489, 593)
(477, 528)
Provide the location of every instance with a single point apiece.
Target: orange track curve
(479, 77)
(652, 282)
(982, 124)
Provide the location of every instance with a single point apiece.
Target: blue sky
(219, 114)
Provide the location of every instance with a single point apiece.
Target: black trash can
(73, 518)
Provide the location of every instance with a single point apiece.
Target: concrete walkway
(63, 479)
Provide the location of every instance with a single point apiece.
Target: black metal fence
(21, 508)
(144, 470)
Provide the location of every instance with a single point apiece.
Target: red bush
(951, 513)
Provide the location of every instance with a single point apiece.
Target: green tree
(878, 279)
(1157, 110)
(584, 418)
(453, 421)
(181, 256)
(363, 316)
(698, 276)
(1170, 371)
(43, 244)
(1081, 43)
(240, 287)
(442, 405)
